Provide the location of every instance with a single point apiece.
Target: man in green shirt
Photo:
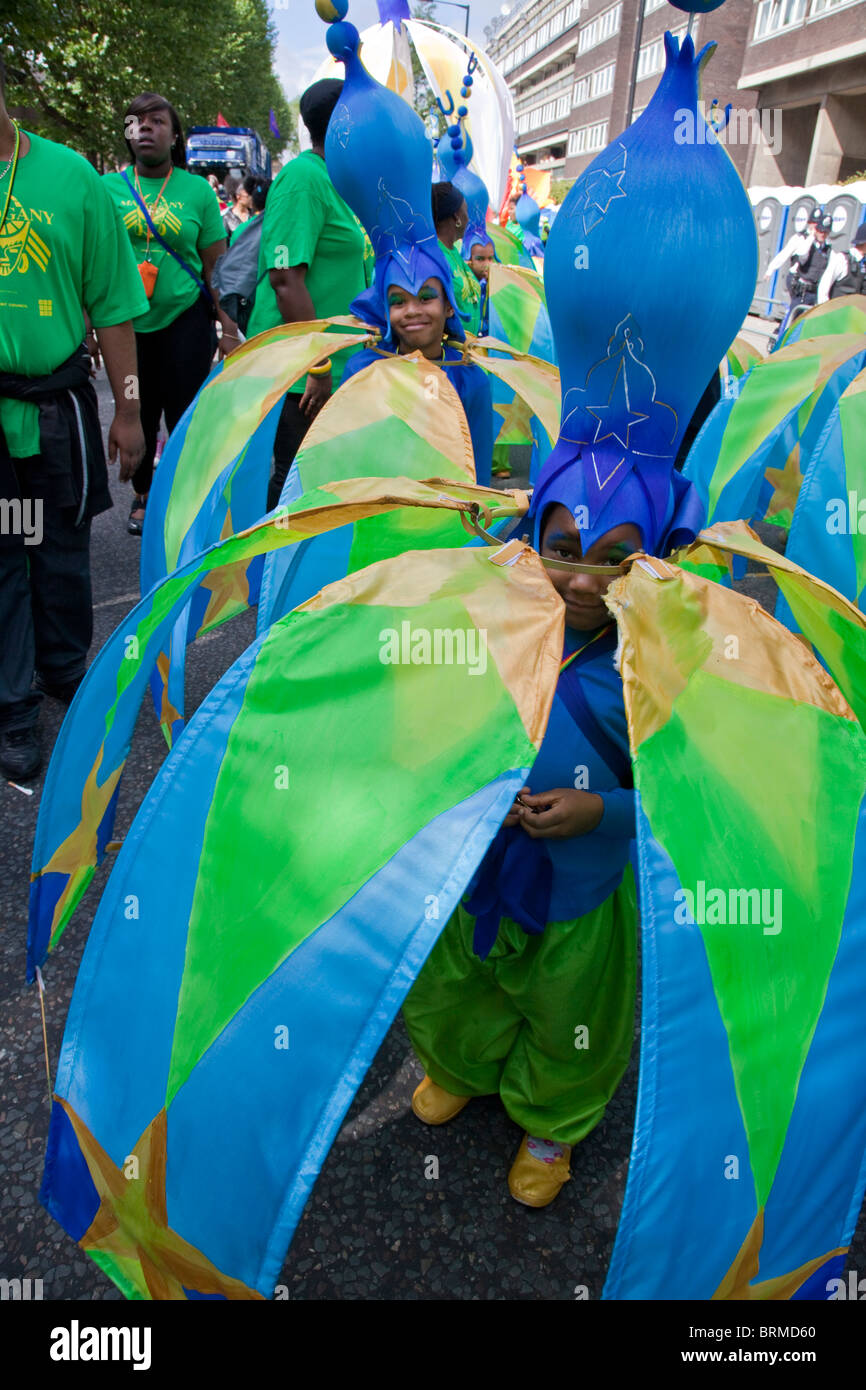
(63, 253)
(313, 250)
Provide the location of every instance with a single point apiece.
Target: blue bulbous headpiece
(528, 214)
(380, 162)
(474, 190)
(650, 268)
(454, 154)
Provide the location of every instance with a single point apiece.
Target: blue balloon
(650, 268)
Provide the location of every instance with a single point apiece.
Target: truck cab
(212, 149)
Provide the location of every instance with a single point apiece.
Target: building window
(650, 5)
(602, 80)
(588, 138)
(774, 15)
(651, 58)
(595, 84)
(600, 28)
(822, 7)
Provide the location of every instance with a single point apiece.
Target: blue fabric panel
(818, 1188)
(121, 1019)
(682, 1221)
(254, 1123)
(67, 1187)
(827, 556)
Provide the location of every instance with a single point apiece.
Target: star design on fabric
(229, 588)
(516, 422)
(786, 483)
(398, 223)
(601, 188)
(617, 406)
(76, 857)
(737, 1284)
(131, 1223)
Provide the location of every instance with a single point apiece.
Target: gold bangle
(322, 370)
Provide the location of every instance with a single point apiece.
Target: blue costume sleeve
(618, 818)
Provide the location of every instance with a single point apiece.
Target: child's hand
(513, 817)
(560, 814)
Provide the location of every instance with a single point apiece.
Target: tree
(74, 65)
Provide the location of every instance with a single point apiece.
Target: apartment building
(807, 59)
(581, 70)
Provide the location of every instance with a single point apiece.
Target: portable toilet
(847, 211)
(770, 218)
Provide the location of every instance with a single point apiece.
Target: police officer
(796, 245)
(846, 270)
(807, 267)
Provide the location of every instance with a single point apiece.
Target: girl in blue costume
(381, 163)
(424, 322)
(529, 992)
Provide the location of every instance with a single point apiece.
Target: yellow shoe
(434, 1105)
(540, 1169)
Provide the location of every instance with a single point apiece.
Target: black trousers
(172, 364)
(287, 441)
(46, 618)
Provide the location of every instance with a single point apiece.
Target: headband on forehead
(665, 508)
(380, 162)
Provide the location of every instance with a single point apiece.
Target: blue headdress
(380, 162)
(528, 214)
(640, 330)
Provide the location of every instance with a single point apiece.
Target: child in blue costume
(418, 323)
(529, 991)
(381, 163)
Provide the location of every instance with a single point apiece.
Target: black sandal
(133, 526)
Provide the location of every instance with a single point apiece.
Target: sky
(301, 47)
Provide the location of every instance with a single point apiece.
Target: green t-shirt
(188, 215)
(307, 223)
(62, 250)
(467, 290)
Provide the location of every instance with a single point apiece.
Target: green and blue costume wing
(213, 476)
(82, 784)
(748, 458)
(202, 1080)
(518, 316)
(847, 314)
(747, 1167)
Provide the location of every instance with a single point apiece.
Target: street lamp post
(455, 6)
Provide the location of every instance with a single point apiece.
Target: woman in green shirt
(175, 338)
(450, 216)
